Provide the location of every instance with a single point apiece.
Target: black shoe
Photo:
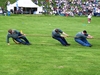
(90, 46)
(68, 44)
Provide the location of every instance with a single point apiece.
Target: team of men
(57, 34)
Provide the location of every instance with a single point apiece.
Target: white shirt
(89, 16)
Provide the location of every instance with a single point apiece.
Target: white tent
(25, 4)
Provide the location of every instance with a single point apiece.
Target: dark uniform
(17, 36)
(56, 34)
(82, 39)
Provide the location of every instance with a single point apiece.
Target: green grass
(47, 56)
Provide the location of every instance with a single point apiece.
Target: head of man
(56, 30)
(84, 32)
(10, 31)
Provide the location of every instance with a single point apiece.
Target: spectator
(89, 17)
(36, 2)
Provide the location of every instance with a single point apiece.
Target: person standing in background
(89, 17)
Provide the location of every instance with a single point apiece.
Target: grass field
(47, 56)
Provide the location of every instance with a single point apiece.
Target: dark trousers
(83, 42)
(22, 39)
(61, 40)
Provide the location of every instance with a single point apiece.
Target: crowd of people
(3, 10)
(74, 7)
(68, 7)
